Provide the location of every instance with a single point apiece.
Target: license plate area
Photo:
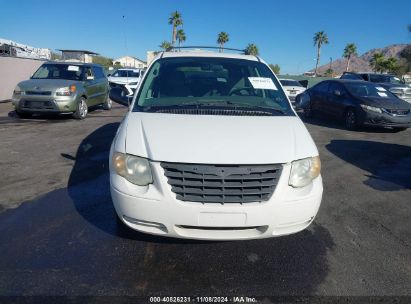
(220, 219)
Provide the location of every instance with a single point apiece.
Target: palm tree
(377, 62)
(252, 49)
(181, 36)
(222, 39)
(390, 65)
(319, 38)
(349, 51)
(165, 45)
(175, 20)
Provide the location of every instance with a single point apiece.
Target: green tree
(319, 38)
(377, 62)
(275, 68)
(222, 39)
(175, 20)
(329, 72)
(349, 51)
(252, 49)
(104, 61)
(55, 56)
(390, 65)
(181, 36)
(165, 45)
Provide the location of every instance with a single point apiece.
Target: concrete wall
(12, 71)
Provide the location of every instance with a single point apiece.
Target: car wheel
(81, 110)
(108, 104)
(308, 111)
(23, 115)
(351, 119)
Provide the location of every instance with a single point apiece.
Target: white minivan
(212, 149)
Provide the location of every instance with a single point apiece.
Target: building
(77, 55)
(9, 48)
(130, 62)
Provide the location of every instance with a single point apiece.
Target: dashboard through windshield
(211, 83)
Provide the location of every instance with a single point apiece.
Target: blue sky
(282, 30)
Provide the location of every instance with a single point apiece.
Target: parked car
(62, 88)
(358, 102)
(127, 78)
(292, 88)
(212, 149)
(388, 81)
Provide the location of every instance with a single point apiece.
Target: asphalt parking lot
(59, 235)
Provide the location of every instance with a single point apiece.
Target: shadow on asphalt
(389, 165)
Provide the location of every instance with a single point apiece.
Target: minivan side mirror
(90, 78)
(118, 95)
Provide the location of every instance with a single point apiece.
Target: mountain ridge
(361, 63)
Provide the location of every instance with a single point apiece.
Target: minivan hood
(45, 84)
(386, 103)
(217, 139)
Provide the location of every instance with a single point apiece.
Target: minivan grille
(222, 183)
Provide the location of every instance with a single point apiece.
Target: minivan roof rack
(205, 47)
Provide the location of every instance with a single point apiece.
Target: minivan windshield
(211, 83)
(368, 90)
(59, 71)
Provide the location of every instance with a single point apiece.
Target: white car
(212, 149)
(127, 78)
(292, 88)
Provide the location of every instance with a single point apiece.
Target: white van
(212, 149)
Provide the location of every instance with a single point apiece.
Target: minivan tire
(351, 119)
(108, 104)
(81, 109)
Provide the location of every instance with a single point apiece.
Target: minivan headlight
(303, 171)
(133, 168)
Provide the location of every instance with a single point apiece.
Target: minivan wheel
(81, 110)
(108, 104)
(351, 120)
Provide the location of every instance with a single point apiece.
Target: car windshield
(368, 90)
(59, 71)
(126, 73)
(386, 79)
(290, 83)
(211, 83)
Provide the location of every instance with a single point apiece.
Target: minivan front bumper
(154, 209)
